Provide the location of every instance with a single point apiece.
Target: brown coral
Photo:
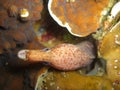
(15, 34)
(80, 17)
(71, 80)
(109, 48)
(13, 11)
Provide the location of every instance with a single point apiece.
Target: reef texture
(17, 18)
(110, 50)
(56, 80)
(15, 33)
(10, 80)
(80, 17)
(13, 7)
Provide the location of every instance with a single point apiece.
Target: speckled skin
(70, 57)
(65, 56)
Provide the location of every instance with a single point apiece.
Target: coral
(13, 11)
(109, 49)
(80, 17)
(56, 80)
(14, 33)
(11, 81)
